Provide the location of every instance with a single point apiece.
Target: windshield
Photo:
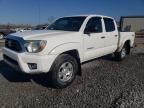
(67, 24)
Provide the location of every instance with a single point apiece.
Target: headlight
(34, 46)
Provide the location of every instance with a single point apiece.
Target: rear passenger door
(111, 39)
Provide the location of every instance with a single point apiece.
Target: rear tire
(64, 71)
(122, 54)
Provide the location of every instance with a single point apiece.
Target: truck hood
(40, 34)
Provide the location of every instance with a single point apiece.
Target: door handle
(102, 37)
(116, 35)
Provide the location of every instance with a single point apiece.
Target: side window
(94, 25)
(109, 24)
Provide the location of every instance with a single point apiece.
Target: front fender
(67, 47)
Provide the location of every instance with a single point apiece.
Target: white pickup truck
(64, 45)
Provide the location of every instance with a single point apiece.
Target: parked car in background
(65, 45)
(39, 27)
(5, 31)
(23, 29)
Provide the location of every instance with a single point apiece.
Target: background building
(132, 23)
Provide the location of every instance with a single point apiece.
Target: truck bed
(123, 36)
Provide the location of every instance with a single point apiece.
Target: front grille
(13, 45)
(10, 60)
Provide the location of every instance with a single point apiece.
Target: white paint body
(88, 46)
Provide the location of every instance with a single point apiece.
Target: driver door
(94, 39)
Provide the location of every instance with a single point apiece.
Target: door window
(109, 25)
(94, 25)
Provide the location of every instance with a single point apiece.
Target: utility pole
(39, 14)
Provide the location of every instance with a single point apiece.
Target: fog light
(32, 66)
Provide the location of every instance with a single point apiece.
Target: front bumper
(19, 61)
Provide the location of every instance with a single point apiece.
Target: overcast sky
(35, 11)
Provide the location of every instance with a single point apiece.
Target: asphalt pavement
(105, 83)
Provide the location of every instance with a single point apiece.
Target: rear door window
(109, 25)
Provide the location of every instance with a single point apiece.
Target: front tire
(64, 71)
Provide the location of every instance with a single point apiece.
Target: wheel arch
(74, 53)
(128, 45)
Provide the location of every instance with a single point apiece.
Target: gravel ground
(105, 83)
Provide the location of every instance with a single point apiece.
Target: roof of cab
(90, 15)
